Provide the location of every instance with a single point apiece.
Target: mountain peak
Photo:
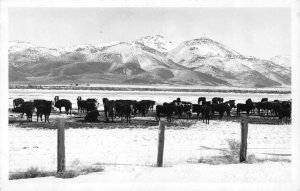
(156, 42)
(206, 47)
(18, 45)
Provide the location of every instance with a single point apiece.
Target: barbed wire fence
(139, 146)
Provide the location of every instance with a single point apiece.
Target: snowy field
(136, 149)
(129, 154)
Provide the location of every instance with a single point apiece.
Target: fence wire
(138, 146)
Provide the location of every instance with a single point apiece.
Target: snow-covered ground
(136, 149)
(129, 154)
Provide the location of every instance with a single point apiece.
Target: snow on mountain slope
(284, 61)
(132, 53)
(147, 60)
(157, 42)
(16, 45)
(191, 52)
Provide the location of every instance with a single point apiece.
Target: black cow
(81, 105)
(221, 108)
(187, 109)
(230, 104)
(243, 107)
(149, 104)
(264, 100)
(201, 100)
(18, 102)
(252, 104)
(109, 109)
(285, 112)
(92, 116)
(64, 103)
(179, 107)
(217, 100)
(88, 105)
(196, 108)
(167, 109)
(206, 109)
(118, 108)
(140, 107)
(43, 108)
(125, 110)
(28, 108)
(267, 106)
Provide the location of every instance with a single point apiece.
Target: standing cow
(18, 102)
(28, 108)
(64, 103)
(43, 108)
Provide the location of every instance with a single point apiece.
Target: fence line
(127, 147)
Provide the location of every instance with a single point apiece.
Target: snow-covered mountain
(201, 61)
(284, 60)
(157, 42)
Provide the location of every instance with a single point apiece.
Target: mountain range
(148, 60)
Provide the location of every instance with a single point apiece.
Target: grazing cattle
(284, 112)
(183, 107)
(267, 106)
(28, 108)
(206, 109)
(179, 107)
(220, 108)
(43, 108)
(196, 108)
(18, 102)
(125, 110)
(244, 107)
(187, 109)
(140, 107)
(91, 105)
(229, 105)
(201, 100)
(264, 100)
(81, 105)
(64, 103)
(88, 105)
(118, 108)
(167, 109)
(250, 102)
(149, 105)
(92, 116)
(109, 109)
(217, 100)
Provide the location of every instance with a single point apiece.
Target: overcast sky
(260, 32)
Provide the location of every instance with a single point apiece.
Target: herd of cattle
(130, 108)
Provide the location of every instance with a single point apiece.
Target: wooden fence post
(244, 136)
(161, 141)
(61, 161)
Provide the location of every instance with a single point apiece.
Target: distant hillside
(148, 60)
